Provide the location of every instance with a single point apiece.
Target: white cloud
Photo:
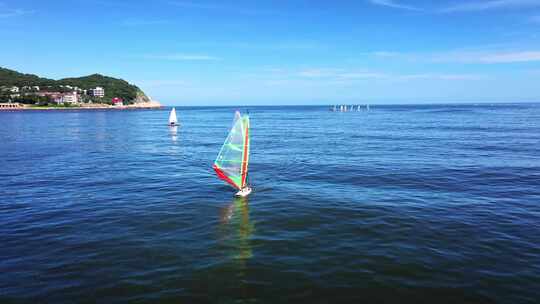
(469, 57)
(535, 19)
(163, 83)
(442, 76)
(340, 75)
(363, 75)
(318, 73)
(142, 22)
(8, 13)
(296, 45)
(221, 7)
(465, 6)
(533, 72)
(511, 57)
(486, 57)
(183, 57)
(471, 6)
(386, 54)
(189, 4)
(394, 4)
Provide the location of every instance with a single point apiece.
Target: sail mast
(245, 158)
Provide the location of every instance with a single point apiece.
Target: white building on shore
(97, 92)
(71, 98)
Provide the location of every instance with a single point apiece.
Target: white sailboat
(173, 121)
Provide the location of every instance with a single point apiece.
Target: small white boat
(173, 121)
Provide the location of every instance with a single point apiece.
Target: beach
(87, 106)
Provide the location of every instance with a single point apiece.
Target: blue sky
(285, 52)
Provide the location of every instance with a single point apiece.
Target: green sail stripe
(235, 147)
(236, 180)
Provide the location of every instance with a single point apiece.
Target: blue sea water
(408, 204)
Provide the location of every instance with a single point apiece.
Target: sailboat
(231, 164)
(173, 121)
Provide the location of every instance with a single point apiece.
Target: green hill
(14, 78)
(114, 87)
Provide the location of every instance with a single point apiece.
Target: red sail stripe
(224, 177)
(244, 162)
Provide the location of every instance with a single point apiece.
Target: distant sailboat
(367, 107)
(231, 164)
(173, 121)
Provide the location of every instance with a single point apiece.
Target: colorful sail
(231, 164)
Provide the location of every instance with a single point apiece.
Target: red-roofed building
(117, 101)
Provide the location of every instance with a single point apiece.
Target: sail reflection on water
(235, 221)
(174, 133)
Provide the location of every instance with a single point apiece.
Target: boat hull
(243, 192)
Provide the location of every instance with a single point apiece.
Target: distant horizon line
(361, 104)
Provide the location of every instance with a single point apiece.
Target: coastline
(93, 106)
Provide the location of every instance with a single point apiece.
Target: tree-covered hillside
(113, 87)
(14, 78)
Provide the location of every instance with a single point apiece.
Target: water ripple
(419, 204)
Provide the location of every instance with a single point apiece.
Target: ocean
(404, 203)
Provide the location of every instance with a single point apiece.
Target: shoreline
(94, 106)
